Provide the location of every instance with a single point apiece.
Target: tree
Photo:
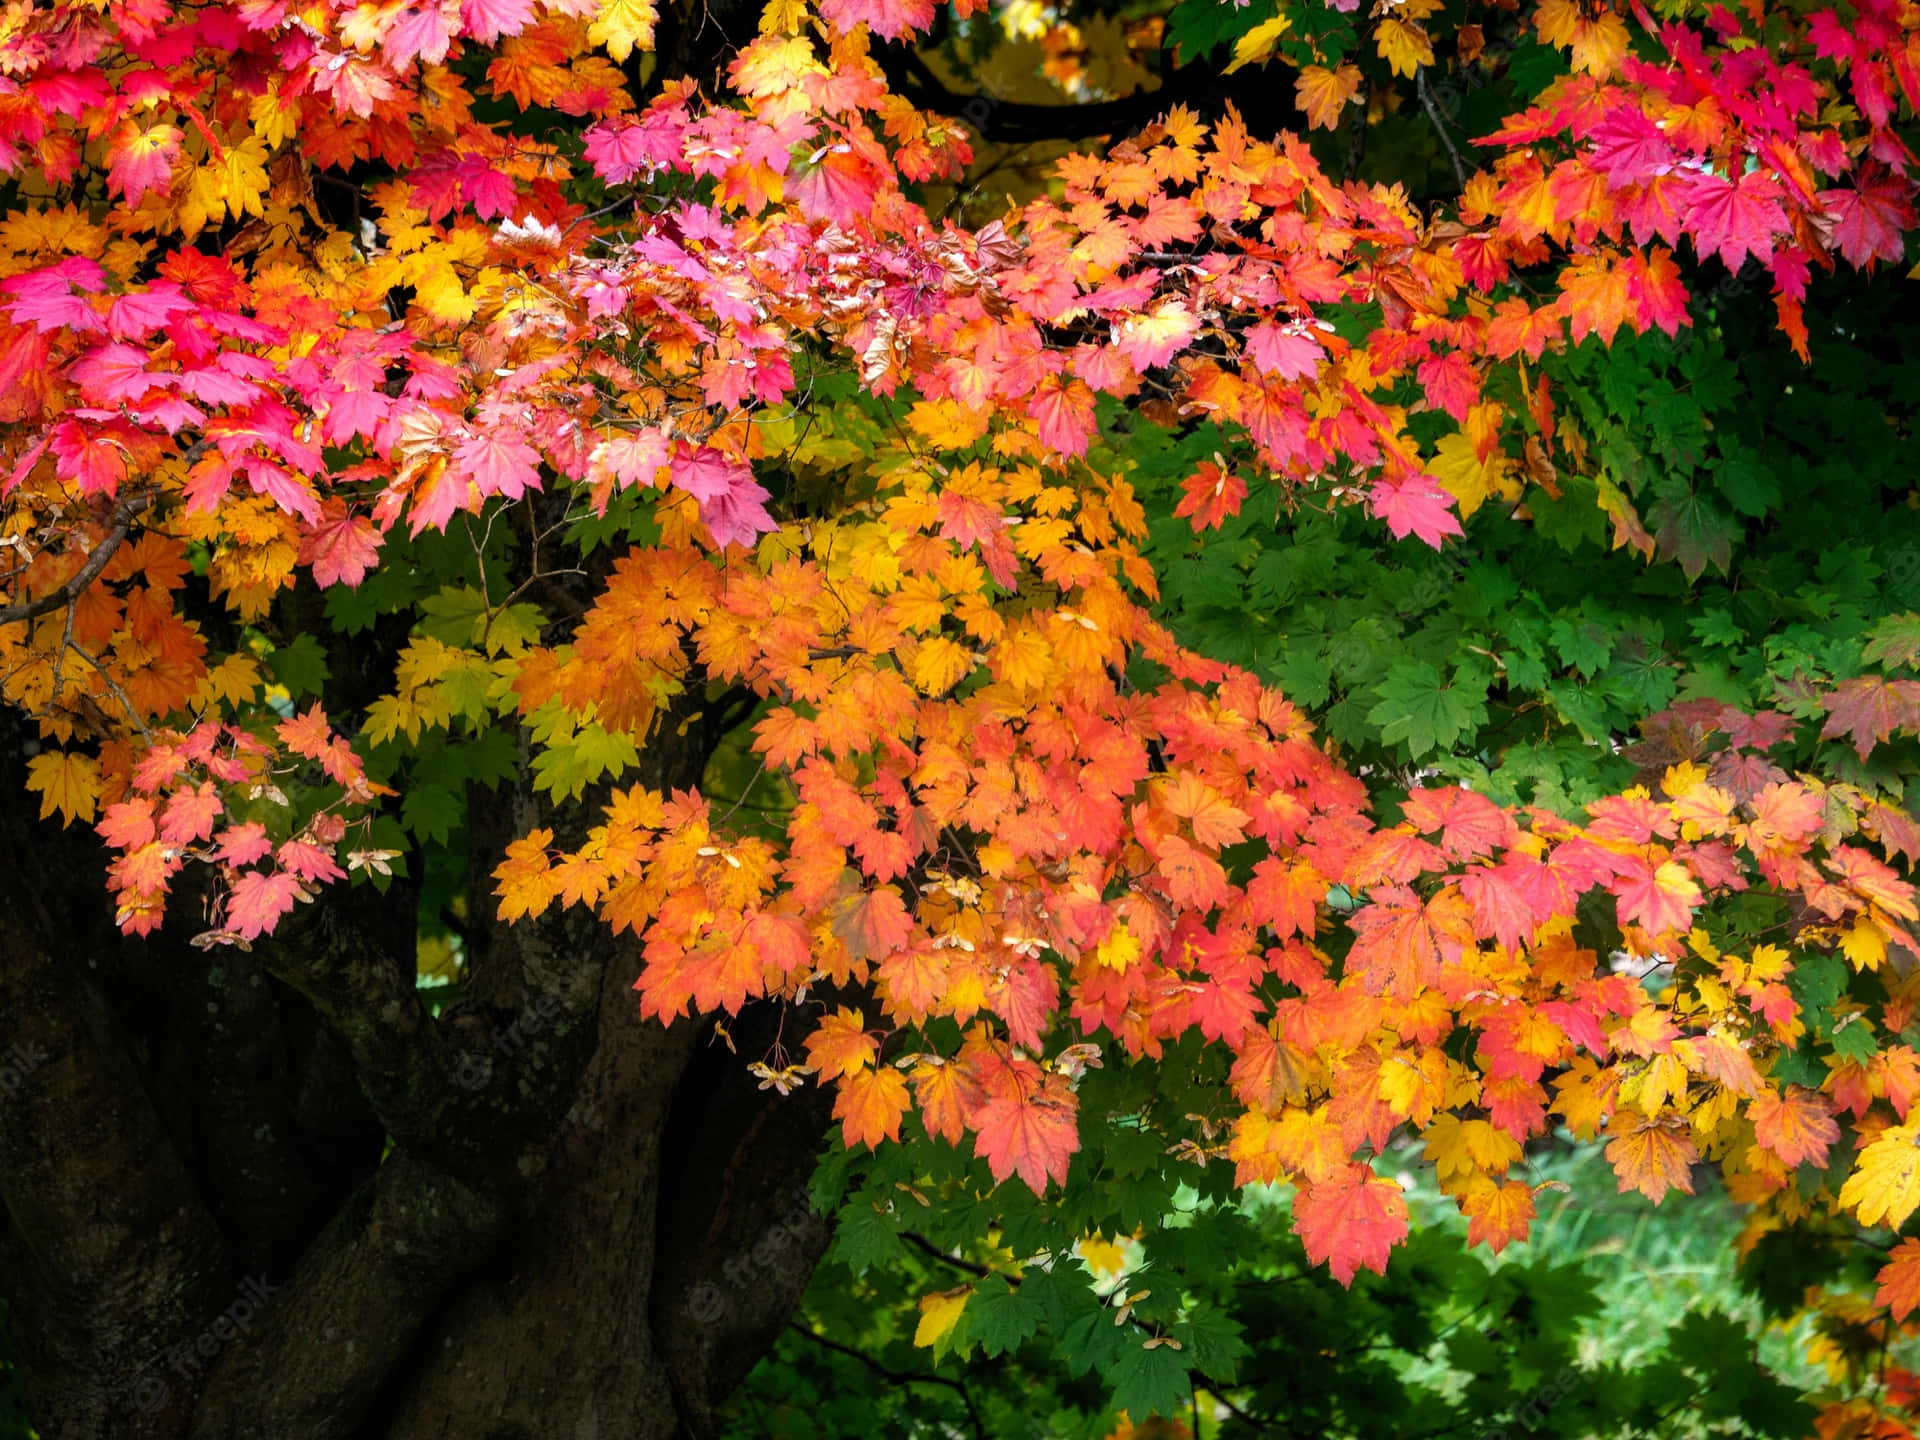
(467, 479)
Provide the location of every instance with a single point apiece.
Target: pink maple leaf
(487, 20)
(258, 900)
(1415, 506)
(341, 549)
(1867, 222)
(498, 464)
(889, 18)
(1736, 220)
(1284, 351)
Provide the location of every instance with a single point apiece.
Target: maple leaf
(1350, 1221)
(939, 1314)
(840, 1046)
(1869, 220)
(874, 923)
(307, 734)
(1869, 708)
(498, 464)
(1651, 1153)
(731, 504)
(141, 161)
(1404, 45)
(1499, 1213)
(1884, 1187)
(1401, 941)
(1322, 93)
(1735, 218)
(341, 550)
(127, 824)
(1899, 1280)
(1028, 1133)
(887, 18)
(258, 900)
(840, 187)
(1214, 823)
(1415, 506)
(869, 1106)
(623, 26)
(525, 885)
(243, 844)
(1797, 1125)
(67, 782)
(1063, 411)
(1469, 825)
(1210, 496)
(1661, 899)
(190, 815)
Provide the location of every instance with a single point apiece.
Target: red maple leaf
(1869, 708)
(1210, 496)
(1350, 1221)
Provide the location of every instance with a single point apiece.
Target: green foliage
(1520, 659)
(1615, 1318)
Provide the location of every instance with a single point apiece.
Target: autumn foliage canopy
(1031, 831)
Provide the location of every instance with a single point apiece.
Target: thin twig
(897, 1377)
(1439, 125)
(921, 1243)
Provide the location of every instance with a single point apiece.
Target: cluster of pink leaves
(178, 809)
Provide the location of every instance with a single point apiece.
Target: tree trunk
(270, 1194)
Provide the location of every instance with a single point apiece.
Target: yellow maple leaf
(1461, 1148)
(939, 1313)
(67, 782)
(783, 17)
(1884, 1187)
(1259, 42)
(1104, 1258)
(526, 882)
(234, 680)
(1119, 950)
(1024, 659)
(1468, 478)
(771, 66)
(623, 26)
(1404, 46)
(1865, 944)
(938, 664)
(947, 424)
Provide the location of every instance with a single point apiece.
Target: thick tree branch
(118, 524)
(334, 1335)
(362, 994)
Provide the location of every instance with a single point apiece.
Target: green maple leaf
(1419, 708)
